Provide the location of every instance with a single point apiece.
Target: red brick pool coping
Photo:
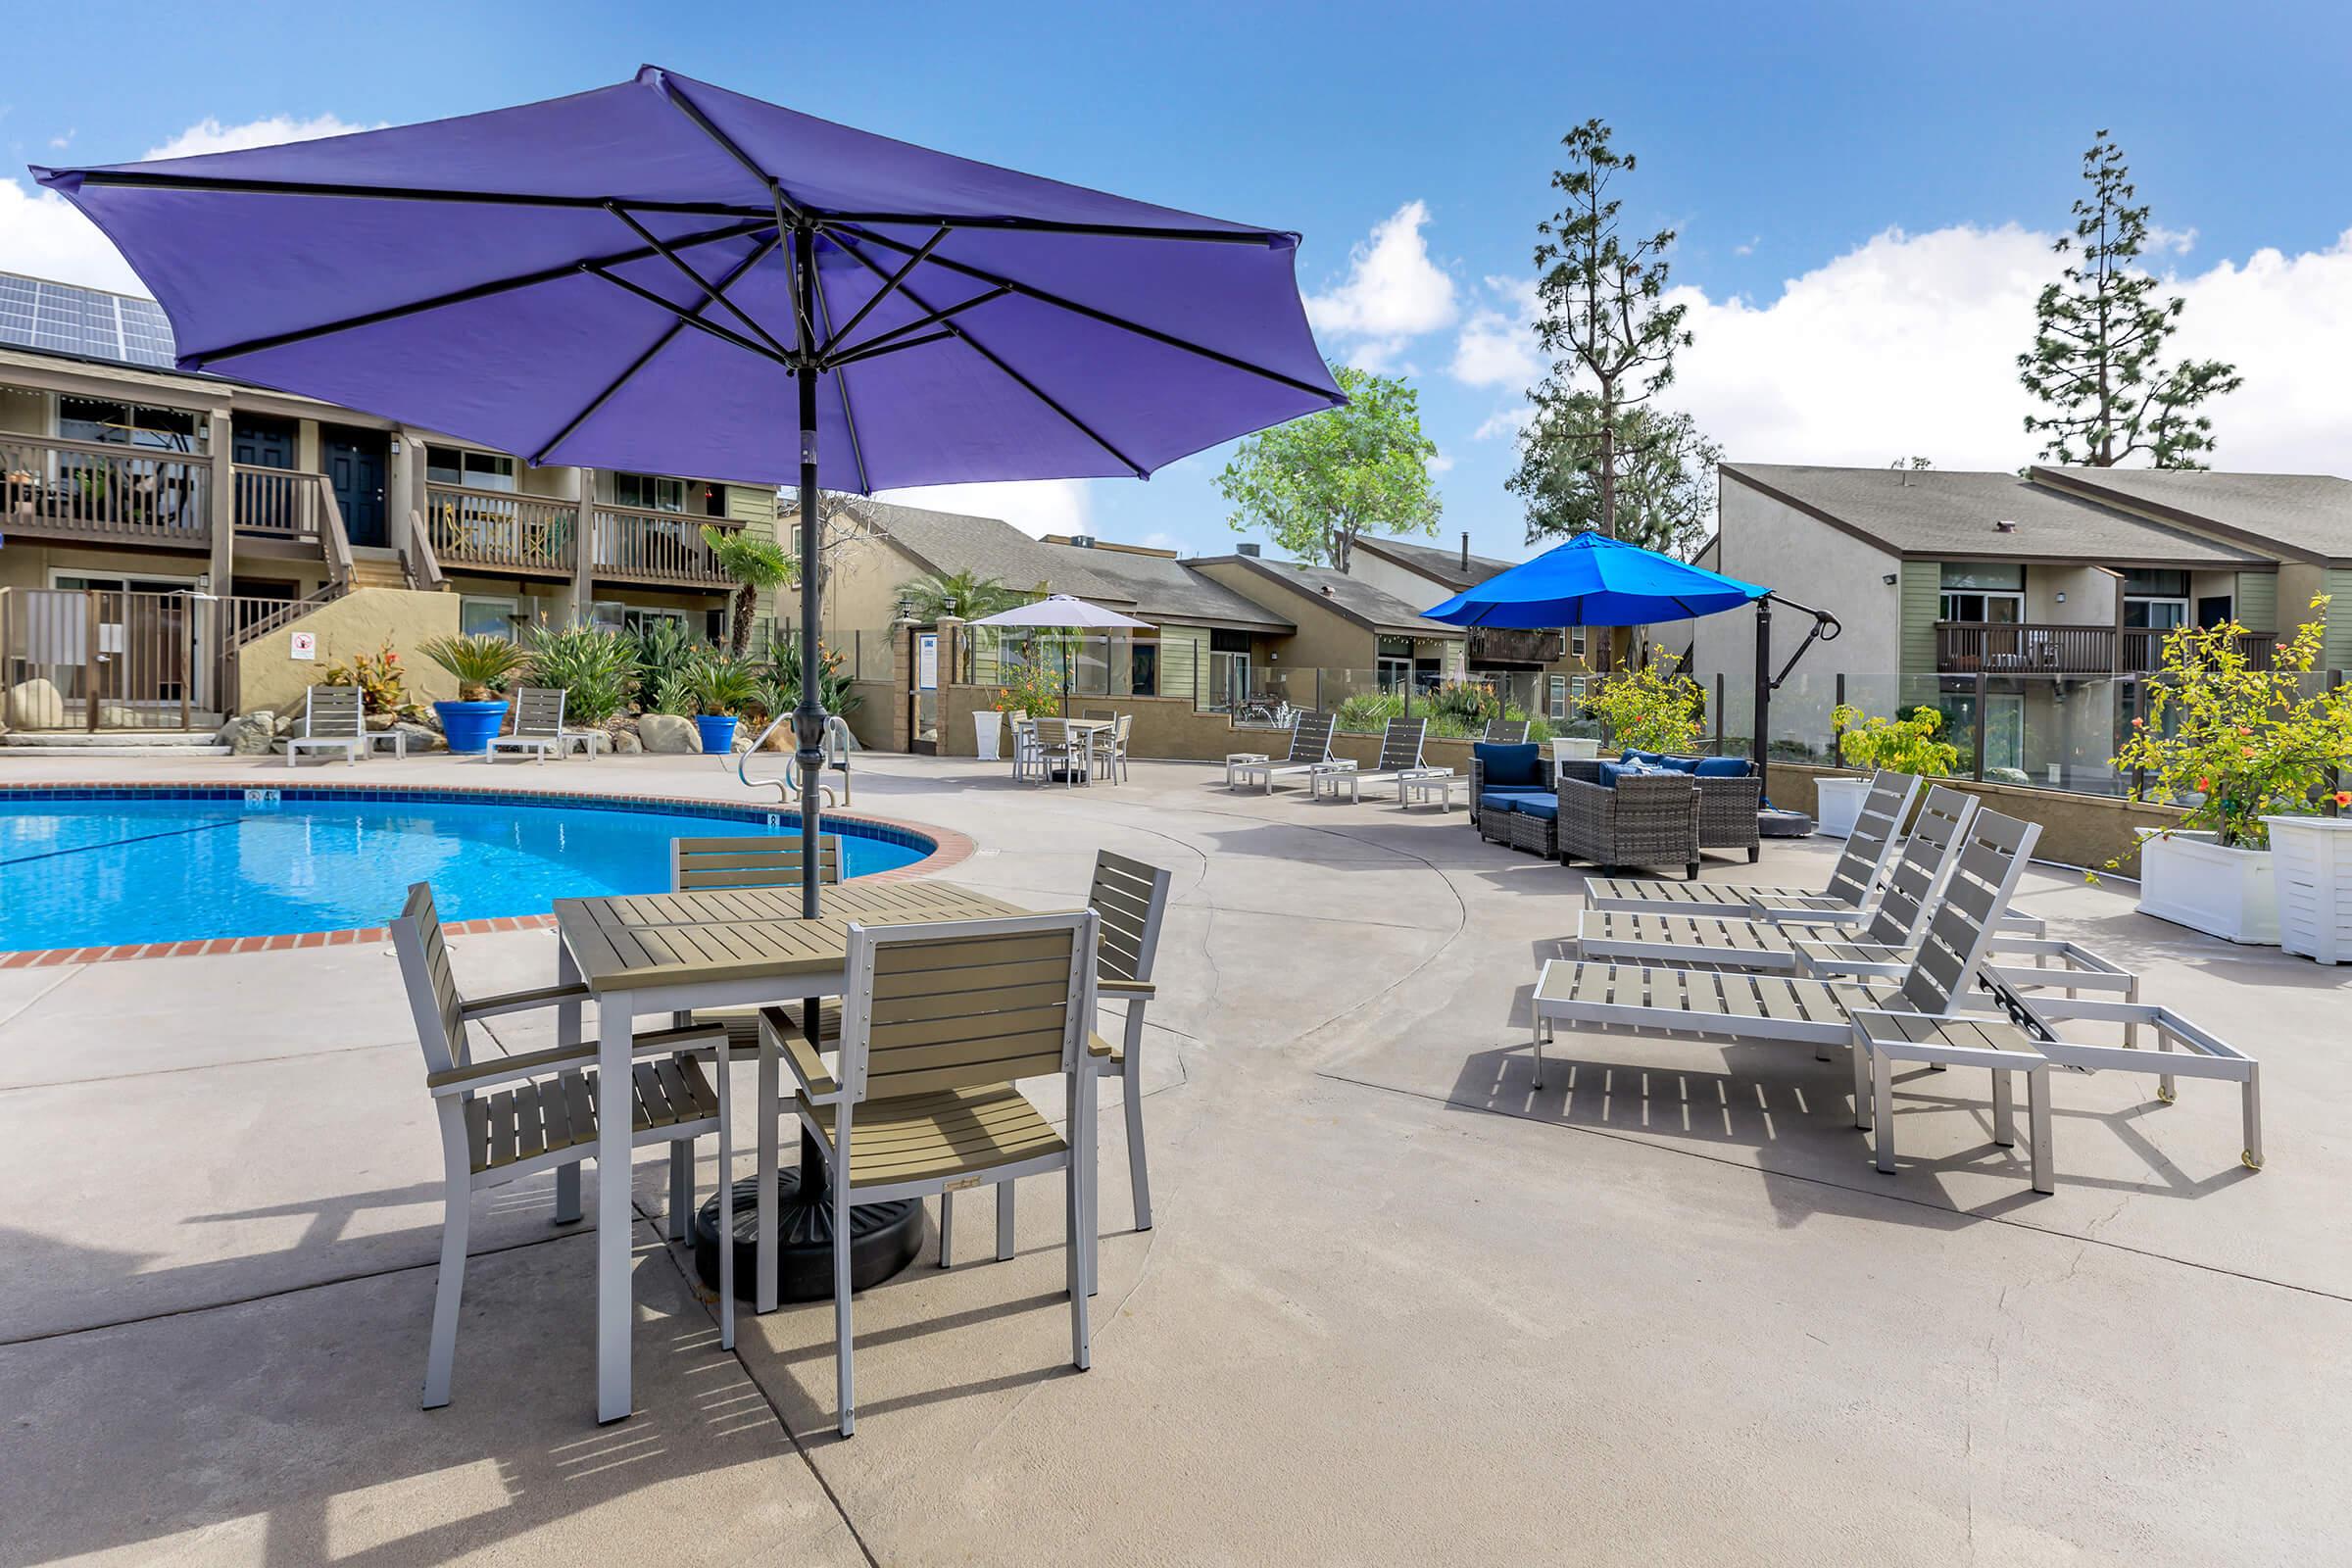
(953, 848)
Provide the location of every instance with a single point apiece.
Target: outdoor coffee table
(655, 955)
(1428, 783)
(1329, 773)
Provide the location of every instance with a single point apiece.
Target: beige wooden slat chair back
(937, 1023)
(332, 712)
(506, 1117)
(538, 710)
(1975, 893)
(1401, 744)
(765, 860)
(1909, 896)
(1877, 827)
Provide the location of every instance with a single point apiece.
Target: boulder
(114, 715)
(420, 738)
(290, 723)
(249, 735)
(36, 705)
(668, 733)
(382, 721)
(624, 743)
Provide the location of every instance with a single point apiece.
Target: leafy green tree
(1665, 482)
(1602, 316)
(1316, 484)
(966, 595)
(2099, 334)
(756, 564)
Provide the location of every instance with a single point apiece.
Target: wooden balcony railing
(1967, 647)
(278, 503)
(104, 492)
(634, 545)
(500, 529)
(1504, 645)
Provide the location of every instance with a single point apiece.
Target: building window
(483, 617)
(1557, 704)
(1142, 665)
(2155, 601)
(126, 425)
(475, 470)
(649, 492)
(1983, 593)
(1393, 662)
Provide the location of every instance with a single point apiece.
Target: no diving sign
(306, 645)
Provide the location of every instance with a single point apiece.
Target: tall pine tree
(2097, 362)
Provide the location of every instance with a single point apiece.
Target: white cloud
(61, 143)
(1036, 507)
(1441, 463)
(42, 234)
(1504, 425)
(1747, 247)
(1497, 345)
(1392, 292)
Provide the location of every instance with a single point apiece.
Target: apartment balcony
(102, 493)
(1969, 646)
(1497, 645)
(535, 536)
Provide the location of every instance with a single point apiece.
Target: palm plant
(758, 565)
(963, 593)
(482, 662)
(723, 686)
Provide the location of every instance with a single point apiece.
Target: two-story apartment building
(215, 512)
(1541, 671)
(2026, 607)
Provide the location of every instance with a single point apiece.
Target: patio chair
(1024, 747)
(539, 727)
(1111, 748)
(1399, 754)
(769, 860)
(1853, 881)
(332, 721)
(1613, 818)
(1309, 748)
(1795, 1008)
(1132, 898)
(1505, 731)
(940, 1020)
(543, 1113)
(1060, 751)
(2021, 1038)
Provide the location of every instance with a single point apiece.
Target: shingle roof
(2309, 515)
(1163, 589)
(1352, 597)
(1436, 563)
(1940, 512)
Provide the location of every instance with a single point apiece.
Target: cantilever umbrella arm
(1826, 628)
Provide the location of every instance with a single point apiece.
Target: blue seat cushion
(1514, 799)
(1509, 767)
(1611, 772)
(1546, 807)
(1725, 768)
(1651, 758)
(1680, 765)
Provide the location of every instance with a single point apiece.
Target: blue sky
(1863, 194)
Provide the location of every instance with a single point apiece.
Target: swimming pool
(108, 868)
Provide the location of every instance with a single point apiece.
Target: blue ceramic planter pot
(719, 732)
(468, 726)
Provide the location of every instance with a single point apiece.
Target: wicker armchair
(1647, 820)
(1478, 787)
(1727, 814)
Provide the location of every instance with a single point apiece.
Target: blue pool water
(86, 869)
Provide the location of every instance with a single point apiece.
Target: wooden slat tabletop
(744, 933)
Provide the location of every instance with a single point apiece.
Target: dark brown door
(355, 464)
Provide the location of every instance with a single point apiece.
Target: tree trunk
(1608, 457)
(747, 607)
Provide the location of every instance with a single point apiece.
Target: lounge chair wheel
(2246, 1157)
(2166, 1095)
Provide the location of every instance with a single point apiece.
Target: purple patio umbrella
(665, 276)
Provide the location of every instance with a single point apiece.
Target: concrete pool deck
(1399, 1304)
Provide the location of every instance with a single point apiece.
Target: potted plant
(988, 727)
(721, 688)
(2245, 748)
(483, 664)
(1905, 743)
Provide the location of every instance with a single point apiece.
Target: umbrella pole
(809, 719)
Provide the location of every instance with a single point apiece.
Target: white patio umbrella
(1061, 613)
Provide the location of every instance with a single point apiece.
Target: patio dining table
(658, 954)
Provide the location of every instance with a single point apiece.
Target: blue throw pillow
(1724, 768)
(1679, 765)
(1649, 759)
(1509, 767)
(1611, 772)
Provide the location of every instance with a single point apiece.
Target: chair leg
(1690, 872)
(681, 1190)
(1075, 1217)
(2004, 1110)
(946, 1227)
(845, 1388)
(1862, 1091)
(764, 1288)
(1005, 1222)
(1755, 853)
(567, 1193)
(1882, 1108)
(442, 1348)
(1139, 1176)
(2038, 1128)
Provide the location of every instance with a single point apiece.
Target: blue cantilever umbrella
(1593, 580)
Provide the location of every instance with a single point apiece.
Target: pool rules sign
(304, 645)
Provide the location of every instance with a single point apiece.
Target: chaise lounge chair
(539, 727)
(1799, 1009)
(1311, 749)
(1399, 754)
(332, 720)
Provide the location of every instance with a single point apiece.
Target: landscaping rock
(667, 733)
(250, 734)
(288, 723)
(624, 743)
(420, 738)
(36, 705)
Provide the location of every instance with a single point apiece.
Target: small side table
(1428, 783)
(1328, 774)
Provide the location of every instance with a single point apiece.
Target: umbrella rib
(878, 350)
(686, 317)
(461, 296)
(890, 286)
(157, 179)
(1031, 387)
(697, 278)
(1106, 317)
(841, 389)
(880, 341)
(1265, 237)
(692, 110)
(668, 335)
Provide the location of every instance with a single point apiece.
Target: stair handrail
(836, 756)
(331, 530)
(424, 567)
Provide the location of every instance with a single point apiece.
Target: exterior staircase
(377, 568)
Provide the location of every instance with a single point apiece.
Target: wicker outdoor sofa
(1658, 819)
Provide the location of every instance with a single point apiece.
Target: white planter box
(1575, 748)
(987, 733)
(2310, 870)
(1838, 804)
(2189, 880)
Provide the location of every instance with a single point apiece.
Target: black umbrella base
(884, 1238)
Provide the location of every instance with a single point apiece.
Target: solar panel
(89, 322)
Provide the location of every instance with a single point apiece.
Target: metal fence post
(1837, 729)
(1719, 713)
(2335, 781)
(2139, 712)
(1979, 726)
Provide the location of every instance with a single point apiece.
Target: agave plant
(723, 687)
(482, 663)
(595, 669)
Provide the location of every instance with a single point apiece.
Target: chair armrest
(682, 1036)
(1104, 985)
(817, 1086)
(522, 1001)
(499, 1068)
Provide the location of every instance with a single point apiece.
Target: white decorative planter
(2188, 879)
(1838, 804)
(987, 732)
(2310, 870)
(1575, 748)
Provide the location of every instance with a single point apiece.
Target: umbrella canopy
(1061, 612)
(1595, 581)
(615, 280)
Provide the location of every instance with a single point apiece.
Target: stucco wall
(2086, 830)
(2090, 595)
(360, 623)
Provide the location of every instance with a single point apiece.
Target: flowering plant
(2245, 740)
(1031, 688)
(1902, 745)
(1649, 707)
